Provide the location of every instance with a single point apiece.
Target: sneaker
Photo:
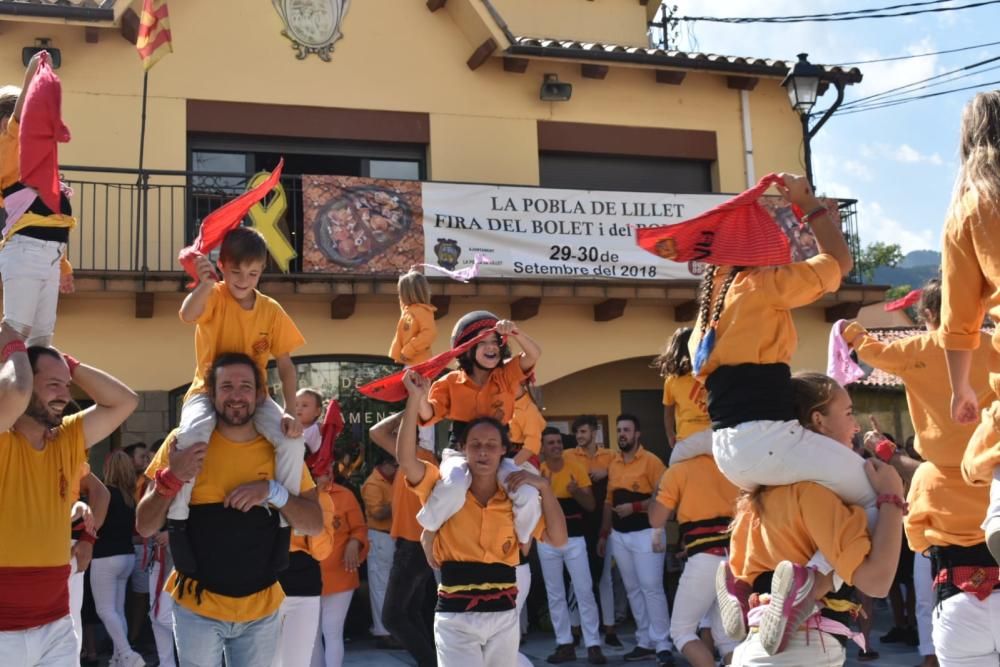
(611, 639)
(791, 604)
(387, 643)
(896, 635)
(563, 653)
(867, 656)
(664, 659)
(912, 637)
(131, 659)
(733, 596)
(639, 653)
(595, 656)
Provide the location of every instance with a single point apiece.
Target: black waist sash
(951, 557)
(235, 553)
(633, 522)
(469, 587)
(749, 392)
(303, 578)
(574, 516)
(700, 536)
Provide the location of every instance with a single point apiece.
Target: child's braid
(705, 297)
(722, 293)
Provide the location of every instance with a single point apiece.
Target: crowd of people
(241, 538)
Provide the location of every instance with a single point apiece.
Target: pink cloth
(840, 366)
(42, 130)
(16, 204)
(462, 275)
(815, 622)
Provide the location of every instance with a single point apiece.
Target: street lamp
(803, 85)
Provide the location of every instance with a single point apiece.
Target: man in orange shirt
(408, 608)
(377, 494)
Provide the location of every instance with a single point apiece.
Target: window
(584, 171)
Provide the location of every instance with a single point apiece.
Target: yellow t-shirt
(263, 332)
(10, 171)
(227, 465)
(527, 424)
(37, 491)
(689, 399)
(573, 469)
(944, 510)
(697, 490)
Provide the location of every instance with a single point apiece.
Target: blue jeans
(201, 641)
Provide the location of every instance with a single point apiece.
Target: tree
(877, 255)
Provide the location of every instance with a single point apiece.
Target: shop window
(585, 171)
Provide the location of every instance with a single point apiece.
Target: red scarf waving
(224, 219)
(41, 132)
(319, 462)
(904, 302)
(739, 232)
(390, 388)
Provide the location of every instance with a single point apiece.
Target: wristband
(71, 362)
(819, 210)
(637, 507)
(10, 348)
(884, 450)
(168, 484)
(277, 495)
(87, 537)
(893, 499)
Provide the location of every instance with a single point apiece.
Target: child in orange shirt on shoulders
(232, 316)
(487, 384)
(416, 330)
(685, 415)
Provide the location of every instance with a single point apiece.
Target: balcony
(122, 244)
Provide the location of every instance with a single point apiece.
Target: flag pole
(143, 183)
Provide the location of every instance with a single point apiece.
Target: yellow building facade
(437, 90)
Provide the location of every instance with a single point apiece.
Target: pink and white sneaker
(734, 602)
(791, 604)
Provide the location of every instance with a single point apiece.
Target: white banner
(539, 233)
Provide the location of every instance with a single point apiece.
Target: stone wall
(150, 421)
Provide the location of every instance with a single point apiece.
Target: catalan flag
(154, 33)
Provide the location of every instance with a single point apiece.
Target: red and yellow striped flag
(154, 33)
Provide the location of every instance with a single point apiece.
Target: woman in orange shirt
(340, 573)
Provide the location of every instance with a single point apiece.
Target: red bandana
(739, 232)
(904, 302)
(41, 132)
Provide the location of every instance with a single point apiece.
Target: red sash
(33, 596)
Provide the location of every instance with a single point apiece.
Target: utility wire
(903, 89)
(915, 55)
(841, 16)
(915, 98)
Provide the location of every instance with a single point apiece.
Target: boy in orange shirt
(486, 385)
(232, 316)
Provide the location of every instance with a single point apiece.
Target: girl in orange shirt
(685, 415)
(340, 573)
(415, 331)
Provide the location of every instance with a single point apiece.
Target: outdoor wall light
(41, 44)
(554, 90)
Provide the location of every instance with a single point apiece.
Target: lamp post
(803, 87)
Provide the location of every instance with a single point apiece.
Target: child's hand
(37, 59)
(506, 328)
(291, 427)
(203, 267)
(797, 190)
(415, 383)
(427, 543)
(964, 406)
(66, 284)
(352, 559)
(884, 478)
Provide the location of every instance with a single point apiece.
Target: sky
(899, 162)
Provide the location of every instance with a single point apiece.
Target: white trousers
(606, 589)
(448, 496)
(197, 424)
(642, 573)
(967, 631)
(804, 649)
(476, 639)
(333, 612)
(30, 270)
(572, 556)
(380, 551)
(109, 578)
(771, 453)
(298, 622)
(76, 601)
(695, 600)
(696, 444)
(523, 574)
(162, 616)
(49, 645)
(924, 589)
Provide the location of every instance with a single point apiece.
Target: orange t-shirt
(377, 494)
(348, 522)
(796, 521)
(263, 332)
(476, 533)
(638, 476)
(527, 424)
(756, 325)
(944, 510)
(689, 399)
(697, 490)
(405, 505)
(601, 461)
(318, 546)
(457, 397)
(415, 334)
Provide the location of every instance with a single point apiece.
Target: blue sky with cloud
(899, 162)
